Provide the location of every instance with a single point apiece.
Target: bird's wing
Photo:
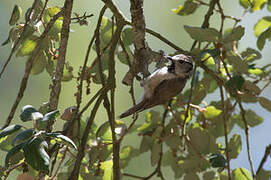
(165, 91)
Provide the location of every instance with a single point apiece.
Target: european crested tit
(163, 84)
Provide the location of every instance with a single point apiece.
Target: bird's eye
(181, 62)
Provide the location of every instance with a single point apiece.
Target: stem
(224, 111)
(266, 154)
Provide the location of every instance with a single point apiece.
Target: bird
(163, 84)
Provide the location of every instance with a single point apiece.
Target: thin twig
(243, 112)
(165, 40)
(224, 111)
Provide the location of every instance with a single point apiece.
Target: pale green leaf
(107, 167)
(266, 35)
(258, 4)
(211, 112)
(262, 25)
(235, 146)
(203, 35)
(234, 34)
(265, 103)
(16, 15)
(241, 174)
(189, 7)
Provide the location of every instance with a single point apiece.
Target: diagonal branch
(29, 67)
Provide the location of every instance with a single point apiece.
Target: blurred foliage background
(159, 18)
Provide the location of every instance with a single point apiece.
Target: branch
(224, 111)
(141, 52)
(81, 150)
(266, 154)
(29, 67)
(247, 134)
(65, 31)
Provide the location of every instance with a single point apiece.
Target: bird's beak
(169, 57)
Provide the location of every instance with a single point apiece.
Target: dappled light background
(159, 18)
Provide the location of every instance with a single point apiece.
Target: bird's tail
(136, 108)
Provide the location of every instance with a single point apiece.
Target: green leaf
(16, 15)
(236, 82)
(234, 34)
(203, 35)
(6, 136)
(189, 7)
(210, 175)
(50, 12)
(39, 63)
(269, 5)
(263, 175)
(191, 176)
(246, 3)
(10, 130)
(11, 153)
(60, 138)
(127, 36)
(122, 56)
(241, 174)
(28, 112)
(251, 55)
(23, 136)
(265, 103)
(174, 142)
(107, 167)
(168, 158)
(235, 146)
(188, 165)
(251, 88)
(27, 47)
(256, 71)
(104, 132)
(251, 117)
(56, 29)
(258, 4)
(208, 60)
(97, 78)
(67, 72)
(35, 154)
(262, 25)
(217, 161)
(126, 154)
(199, 138)
(239, 65)
(146, 144)
(94, 68)
(155, 153)
(211, 112)
(266, 35)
